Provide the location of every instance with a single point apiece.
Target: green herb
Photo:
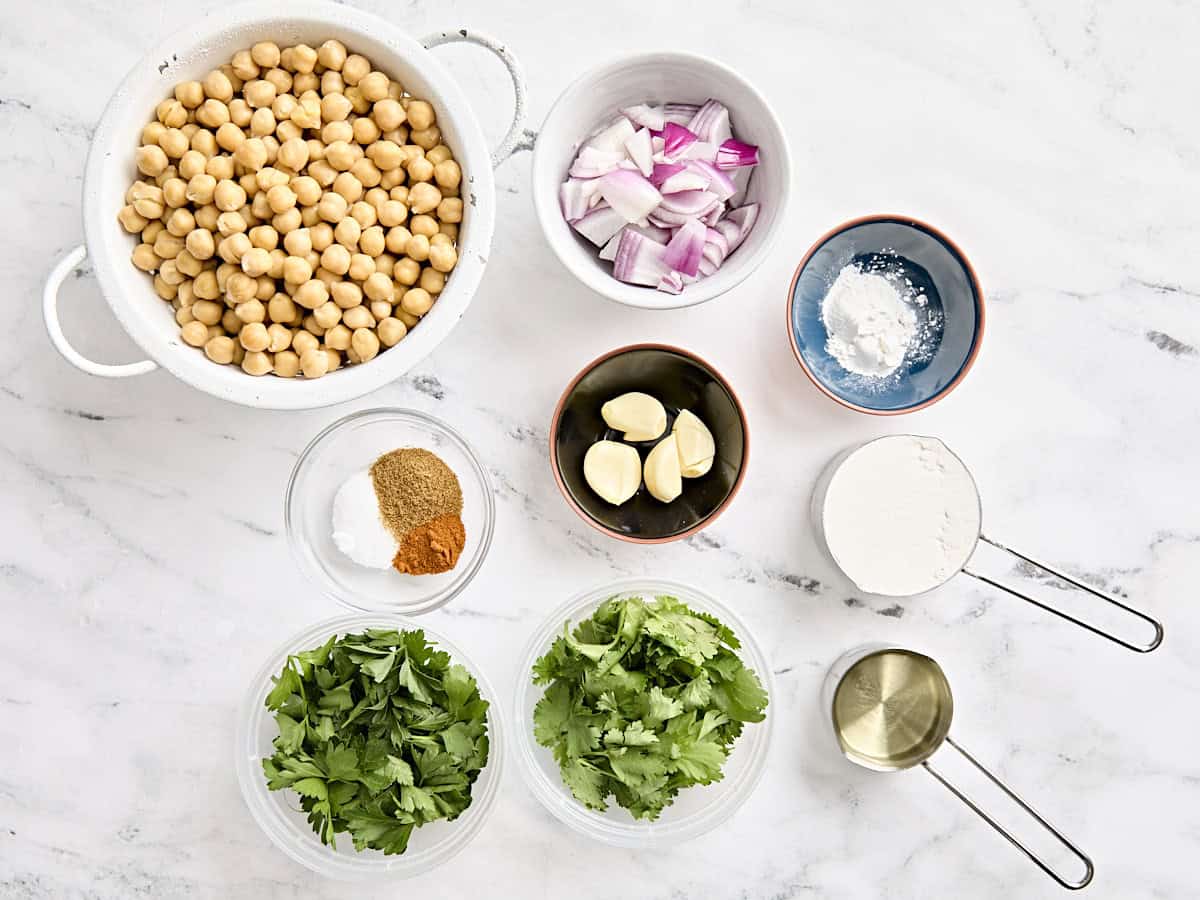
(644, 699)
(378, 734)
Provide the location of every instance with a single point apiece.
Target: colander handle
(54, 328)
(1076, 583)
(519, 137)
(1088, 869)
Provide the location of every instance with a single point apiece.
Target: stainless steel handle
(1088, 869)
(1074, 582)
(519, 137)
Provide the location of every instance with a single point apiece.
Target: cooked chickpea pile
(299, 210)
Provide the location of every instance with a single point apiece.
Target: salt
(869, 324)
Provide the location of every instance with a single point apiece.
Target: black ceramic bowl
(680, 380)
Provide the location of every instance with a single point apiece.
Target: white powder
(870, 326)
(901, 515)
(358, 529)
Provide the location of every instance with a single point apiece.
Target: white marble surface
(144, 573)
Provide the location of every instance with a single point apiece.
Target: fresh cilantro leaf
(742, 698)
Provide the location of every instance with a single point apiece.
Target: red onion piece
(630, 194)
(679, 113)
(592, 163)
(612, 138)
(600, 224)
(734, 153)
(639, 260)
(687, 244)
(683, 181)
(645, 116)
(676, 139)
(688, 203)
(711, 123)
(718, 182)
(671, 283)
(637, 145)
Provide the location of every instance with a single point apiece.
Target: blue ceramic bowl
(952, 316)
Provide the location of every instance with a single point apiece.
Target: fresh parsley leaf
(378, 734)
(643, 699)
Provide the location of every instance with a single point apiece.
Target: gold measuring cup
(891, 710)
(820, 493)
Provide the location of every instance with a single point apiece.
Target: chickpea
(262, 123)
(399, 192)
(288, 131)
(388, 114)
(426, 225)
(281, 308)
(220, 167)
(432, 280)
(328, 314)
(321, 236)
(365, 344)
(293, 153)
(217, 86)
(338, 154)
(418, 248)
(231, 222)
(385, 263)
(212, 113)
(152, 160)
(256, 363)
(230, 137)
(409, 321)
(362, 266)
(281, 198)
(378, 287)
(372, 241)
(380, 309)
(439, 155)
(385, 154)
(253, 336)
(287, 221)
(204, 142)
(152, 131)
(304, 58)
(296, 270)
(287, 364)
(219, 350)
(264, 236)
(307, 190)
(331, 83)
(416, 301)
(297, 243)
(181, 222)
(355, 68)
(392, 178)
(443, 258)
(256, 261)
(332, 207)
(206, 286)
(397, 239)
(279, 337)
(429, 138)
(347, 233)
(167, 245)
(171, 113)
(240, 112)
(229, 196)
(194, 333)
(169, 274)
(333, 132)
(450, 210)
(265, 54)
(309, 216)
(207, 216)
(259, 93)
(314, 363)
(419, 169)
(251, 154)
(311, 294)
(365, 130)
(391, 331)
(240, 288)
(447, 173)
(374, 86)
(347, 294)
(364, 214)
(189, 93)
(407, 271)
(207, 312)
(338, 337)
(335, 108)
(336, 259)
(268, 177)
(191, 164)
(420, 114)
(249, 311)
(358, 317)
(322, 172)
(131, 220)
(392, 213)
(332, 55)
(173, 142)
(283, 106)
(244, 66)
(303, 341)
(307, 113)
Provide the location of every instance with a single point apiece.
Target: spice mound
(404, 511)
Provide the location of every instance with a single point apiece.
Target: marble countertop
(144, 573)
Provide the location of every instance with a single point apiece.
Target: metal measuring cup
(817, 509)
(891, 710)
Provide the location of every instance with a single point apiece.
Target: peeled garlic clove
(663, 478)
(696, 445)
(639, 415)
(612, 470)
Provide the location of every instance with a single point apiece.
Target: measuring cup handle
(1074, 582)
(1088, 869)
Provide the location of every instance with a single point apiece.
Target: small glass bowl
(697, 809)
(278, 813)
(350, 445)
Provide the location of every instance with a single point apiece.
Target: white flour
(900, 515)
(869, 323)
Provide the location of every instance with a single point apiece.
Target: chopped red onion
(592, 163)
(612, 139)
(676, 139)
(733, 153)
(686, 246)
(711, 123)
(574, 198)
(645, 116)
(679, 113)
(600, 224)
(688, 203)
(637, 145)
(662, 171)
(639, 260)
(737, 224)
(630, 194)
(718, 182)
(683, 180)
(671, 283)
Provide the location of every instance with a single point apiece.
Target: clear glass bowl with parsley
(453, 796)
(672, 735)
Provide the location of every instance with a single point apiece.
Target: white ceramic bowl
(596, 97)
(188, 54)
(350, 445)
(697, 809)
(278, 813)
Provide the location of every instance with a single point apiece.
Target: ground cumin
(414, 487)
(431, 548)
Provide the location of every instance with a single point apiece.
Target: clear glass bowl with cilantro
(643, 723)
(446, 776)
